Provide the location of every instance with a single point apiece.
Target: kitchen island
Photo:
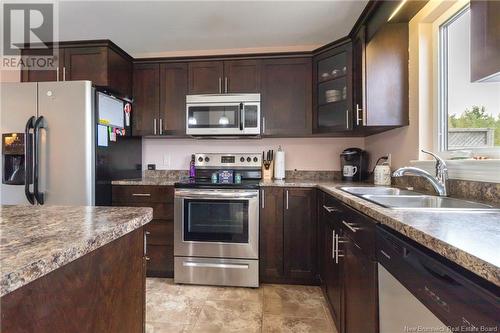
(72, 269)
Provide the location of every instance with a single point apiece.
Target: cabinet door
(299, 225)
(146, 92)
(119, 73)
(485, 40)
(361, 295)
(173, 90)
(332, 107)
(86, 63)
(205, 77)
(333, 273)
(286, 97)
(242, 76)
(32, 75)
(271, 235)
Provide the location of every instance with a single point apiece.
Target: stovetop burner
(207, 183)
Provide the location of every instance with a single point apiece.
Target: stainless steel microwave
(224, 114)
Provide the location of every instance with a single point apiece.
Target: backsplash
(464, 189)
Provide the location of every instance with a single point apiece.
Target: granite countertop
(36, 240)
(470, 239)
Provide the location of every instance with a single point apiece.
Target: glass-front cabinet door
(333, 90)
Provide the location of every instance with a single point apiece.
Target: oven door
(216, 223)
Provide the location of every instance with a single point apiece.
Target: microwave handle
(242, 125)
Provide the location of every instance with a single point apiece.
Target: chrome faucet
(439, 182)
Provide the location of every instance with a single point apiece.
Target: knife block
(267, 174)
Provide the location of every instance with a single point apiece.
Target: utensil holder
(267, 174)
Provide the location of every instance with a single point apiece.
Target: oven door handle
(210, 195)
(213, 265)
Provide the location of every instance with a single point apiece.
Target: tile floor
(172, 308)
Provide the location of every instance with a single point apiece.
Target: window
(469, 113)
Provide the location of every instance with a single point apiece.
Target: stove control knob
(207, 159)
(249, 159)
(200, 159)
(255, 159)
(242, 159)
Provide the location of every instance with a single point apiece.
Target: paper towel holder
(279, 164)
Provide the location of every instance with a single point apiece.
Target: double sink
(396, 198)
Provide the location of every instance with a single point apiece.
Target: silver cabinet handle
(263, 125)
(57, 73)
(263, 199)
(337, 249)
(161, 126)
(350, 226)
(330, 209)
(64, 74)
(347, 119)
(210, 265)
(141, 194)
(357, 114)
(148, 233)
(220, 85)
(286, 199)
(225, 84)
(333, 244)
(385, 254)
(145, 245)
(154, 126)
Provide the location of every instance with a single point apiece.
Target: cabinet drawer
(142, 193)
(161, 211)
(361, 229)
(161, 232)
(161, 260)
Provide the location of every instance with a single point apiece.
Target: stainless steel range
(216, 228)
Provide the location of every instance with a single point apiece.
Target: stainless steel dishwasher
(419, 293)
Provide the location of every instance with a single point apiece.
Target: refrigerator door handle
(28, 160)
(38, 195)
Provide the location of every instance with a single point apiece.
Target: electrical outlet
(166, 160)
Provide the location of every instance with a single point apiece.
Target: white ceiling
(163, 28)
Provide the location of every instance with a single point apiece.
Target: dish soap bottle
(192, 169)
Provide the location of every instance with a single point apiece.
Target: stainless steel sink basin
(425, 202)
(377, 190)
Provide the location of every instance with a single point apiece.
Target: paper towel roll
(279, 164)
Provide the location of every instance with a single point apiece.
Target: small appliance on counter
(382, 172)
(354, 164)
(279, 164)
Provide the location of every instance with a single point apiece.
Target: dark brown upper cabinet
(101, 62)
(206, 77)
(286, 97)
(381, 78)
(146, 106)
(173, 91)
(332, 89)
(242, 76)
(485, 40)
(221, 77)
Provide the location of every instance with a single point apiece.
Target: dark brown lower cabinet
(103, 291)
(288, 252)
(348, 267)
(361, 290)
(160, 231)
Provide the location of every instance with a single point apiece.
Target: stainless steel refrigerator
(51, 149)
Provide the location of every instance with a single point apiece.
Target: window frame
(442, 92)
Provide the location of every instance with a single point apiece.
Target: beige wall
(10, 76)
(300, 153)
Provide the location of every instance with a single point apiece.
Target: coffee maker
(13, 158)
(354, 164)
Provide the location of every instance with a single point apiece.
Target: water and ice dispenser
(13, 158)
